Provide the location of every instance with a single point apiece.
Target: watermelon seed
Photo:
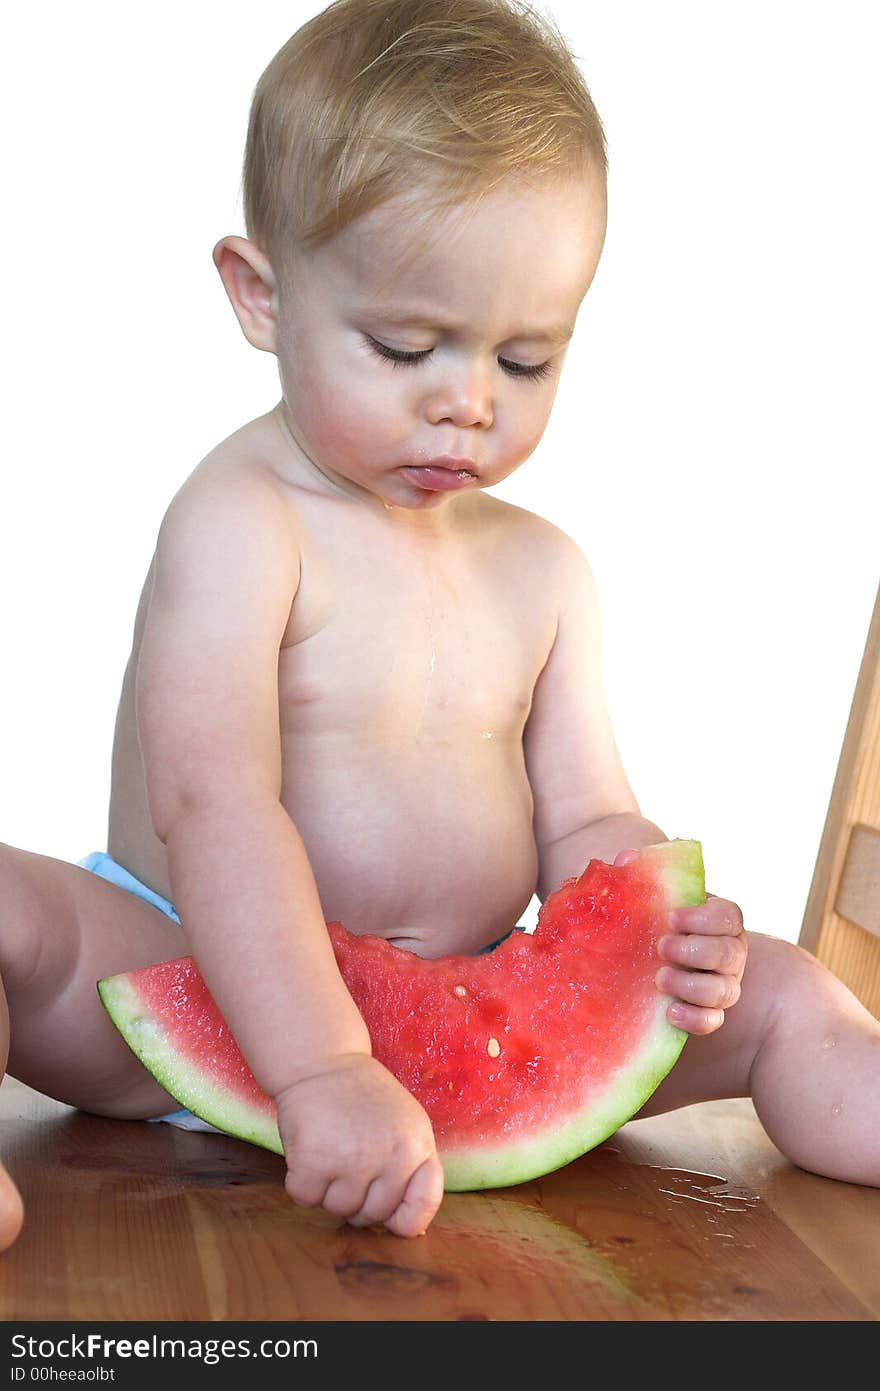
(493, 1048)
(460, 991)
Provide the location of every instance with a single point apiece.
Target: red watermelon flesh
(523, 1058)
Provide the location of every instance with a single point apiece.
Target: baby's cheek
(521, 433)
(332, 429)
(340, 424)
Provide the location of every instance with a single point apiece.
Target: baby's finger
(693, 1020)
(724, 954)
(383, 1197)
(306, 1185)
(705, 988)
(344, 1195)
(623, 857)
(718, 916)
(420, 1201)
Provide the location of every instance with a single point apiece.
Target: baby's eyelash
(394, 355)
(402, 359)
(518, 369)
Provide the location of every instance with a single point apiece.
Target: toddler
(363, 688)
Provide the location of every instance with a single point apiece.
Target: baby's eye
(399, 358)
(394, 355)
(518, 369)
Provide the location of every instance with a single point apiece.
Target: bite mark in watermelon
(524, 1058)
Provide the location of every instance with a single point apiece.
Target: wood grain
(846, 948)
(858, 893)
(690, 1216)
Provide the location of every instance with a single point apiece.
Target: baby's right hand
(358, 1144)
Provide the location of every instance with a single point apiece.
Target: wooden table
(689, 1216)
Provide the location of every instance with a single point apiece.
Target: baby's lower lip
(437, 479)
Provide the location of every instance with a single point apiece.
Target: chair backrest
(842, 919)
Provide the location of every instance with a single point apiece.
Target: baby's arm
(226, 573)
(585, 808)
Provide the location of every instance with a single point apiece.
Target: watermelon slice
(523, 1058)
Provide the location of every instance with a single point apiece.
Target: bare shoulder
(540, 548)
(233, 513)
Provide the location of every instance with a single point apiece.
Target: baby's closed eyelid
(395, 355)
(399, 357)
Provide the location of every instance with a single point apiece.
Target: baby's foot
(11, 1210)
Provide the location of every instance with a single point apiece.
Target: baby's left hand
(706, 954)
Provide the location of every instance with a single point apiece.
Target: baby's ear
(249, 281)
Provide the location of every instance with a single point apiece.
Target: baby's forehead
(416, 232)
(396, 237)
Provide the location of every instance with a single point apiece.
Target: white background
(713, 447)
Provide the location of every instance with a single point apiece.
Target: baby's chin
(437, 504)
(411, 493)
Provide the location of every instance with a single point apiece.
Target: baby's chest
(429, 662)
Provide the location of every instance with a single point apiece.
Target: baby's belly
(431, 848)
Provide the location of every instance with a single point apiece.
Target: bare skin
(370, 692)
(354, 696)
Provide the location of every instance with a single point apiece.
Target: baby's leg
(61, 930)
(806, 1051)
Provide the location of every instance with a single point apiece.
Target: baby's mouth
(438, 477)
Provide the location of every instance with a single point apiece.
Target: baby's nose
(465, 399)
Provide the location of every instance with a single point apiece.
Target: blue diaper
(107, 868)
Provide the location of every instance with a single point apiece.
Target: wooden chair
(842, 918)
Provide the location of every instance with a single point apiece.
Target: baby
(363, 688)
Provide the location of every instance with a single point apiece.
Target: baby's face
(395, 351)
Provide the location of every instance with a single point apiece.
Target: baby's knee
(774, 956)
(797, 985)
(21, 913)
(39, 925)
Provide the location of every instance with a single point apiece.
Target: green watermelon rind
(207, 1099)
(601, 1116)
(679, 865)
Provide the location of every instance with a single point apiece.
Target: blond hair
(372, 98)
